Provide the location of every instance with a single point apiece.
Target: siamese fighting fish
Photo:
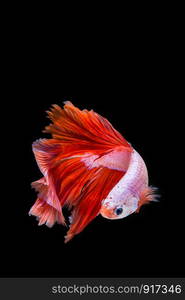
(89, 168)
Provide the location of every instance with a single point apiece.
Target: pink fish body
(125, 196)
(89, 168)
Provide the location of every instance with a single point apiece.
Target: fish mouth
(108, 213)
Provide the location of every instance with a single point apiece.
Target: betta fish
(89, 168)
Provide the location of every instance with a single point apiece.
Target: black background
(131, 86)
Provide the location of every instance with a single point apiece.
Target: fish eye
(119, 211)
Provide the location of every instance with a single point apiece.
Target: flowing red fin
(45, 212)
(46, 153)
(84, 129)
(89, 203)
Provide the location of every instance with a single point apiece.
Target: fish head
(119, 208)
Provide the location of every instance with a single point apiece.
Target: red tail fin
(46, 213)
